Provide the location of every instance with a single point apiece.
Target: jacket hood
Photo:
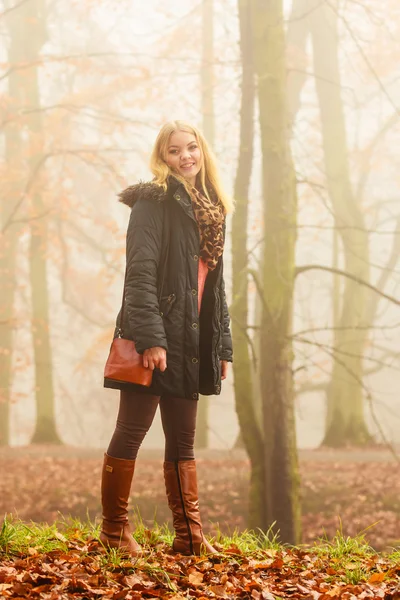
(143, 189)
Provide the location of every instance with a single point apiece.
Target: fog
(84, 89)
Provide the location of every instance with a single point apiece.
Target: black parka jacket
(161, 294)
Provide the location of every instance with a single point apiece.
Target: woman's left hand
(224, 369)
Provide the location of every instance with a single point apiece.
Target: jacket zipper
(170, 301)
(217, 306)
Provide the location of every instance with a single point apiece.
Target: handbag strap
(120, 331)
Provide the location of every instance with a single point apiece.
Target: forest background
(300, 102)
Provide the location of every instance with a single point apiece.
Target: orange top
(201, 281)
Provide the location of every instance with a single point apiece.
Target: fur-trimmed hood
(144, 189)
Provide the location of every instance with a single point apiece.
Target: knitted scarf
(210, 216)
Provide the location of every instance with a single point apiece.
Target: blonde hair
(209, 176)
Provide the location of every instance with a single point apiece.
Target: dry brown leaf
(218, 590)
(266, 595)
(265, 564)
(335, 591)
(196, 578)
(377, 577)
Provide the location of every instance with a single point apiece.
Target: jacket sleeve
(227, 351)
(143, 249)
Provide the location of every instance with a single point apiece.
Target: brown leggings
(135, 416)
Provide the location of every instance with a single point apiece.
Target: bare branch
(370, 402)
(365, 170)
(383, 279)
(249, 340)
(30, 219)
(338, 351)
(26, 191)
(82, 154)
(311, 387)
(364, 56)
(49, 58)
(86, 110)
(64, 271)
(95, 245)
(358, 280)
(304, 15)
(359, 327)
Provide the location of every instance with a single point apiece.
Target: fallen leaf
(377, 577)
(196, 578)
(218, 590)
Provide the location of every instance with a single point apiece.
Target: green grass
(250, 542)
(355, 576)
(347, 556)
(344, 546)
(19, 538)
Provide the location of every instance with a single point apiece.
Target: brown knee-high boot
(181, 486)
(115, 488)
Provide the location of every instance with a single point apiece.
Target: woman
(178, 319)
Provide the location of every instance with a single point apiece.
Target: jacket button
(161, 314)
(195, 257)
(194, 325)
(194, 292)
(195, 396)
(177, 197)
(195, 360)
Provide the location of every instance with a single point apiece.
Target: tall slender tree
(277, 278)
(274, 499)
(242, 367)
(9, 232)
(345, 421)
(207, 108)
(33, 17)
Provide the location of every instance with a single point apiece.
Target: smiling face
(184, 155)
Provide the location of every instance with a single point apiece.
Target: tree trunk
(7, 275)
(207, 107)
(345, 421)
(298, 31)
(9, 239)
(280, 453)
(242, 365)
(45, 429)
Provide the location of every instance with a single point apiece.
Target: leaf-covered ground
(67, 562)
(348, 491)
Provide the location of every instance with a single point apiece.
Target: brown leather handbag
(124, 363)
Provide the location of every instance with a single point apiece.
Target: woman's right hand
(155, 358)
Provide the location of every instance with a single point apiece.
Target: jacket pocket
(166, 303)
